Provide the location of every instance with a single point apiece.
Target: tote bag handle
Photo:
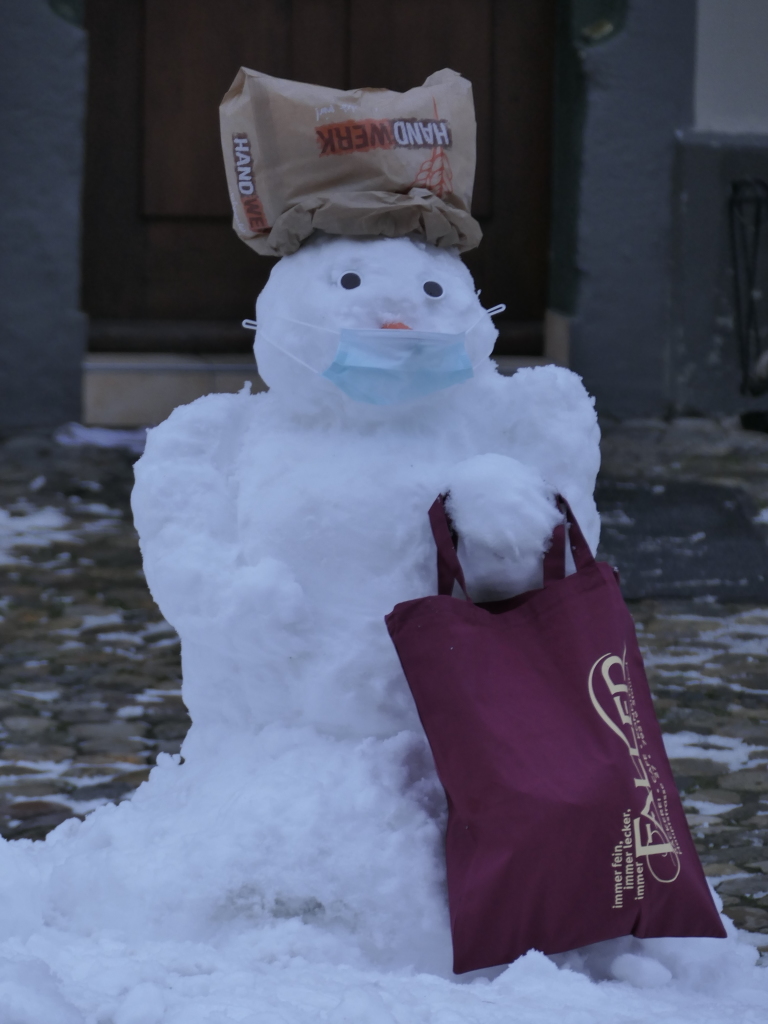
(449, 571)
(554, 556)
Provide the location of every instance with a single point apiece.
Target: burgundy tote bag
(564, 823)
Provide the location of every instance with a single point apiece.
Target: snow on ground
(100, 954)
(75, 434)
(37, 528)
(24, 525)
(165, 910)
(194, 983)
(732, 753)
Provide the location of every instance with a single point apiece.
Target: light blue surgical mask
(391, 366)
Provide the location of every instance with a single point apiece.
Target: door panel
(157, 237)
(201, 261)
(319, 42)
(511, 263)
(192, 50)
(428, 35)
(113, 239)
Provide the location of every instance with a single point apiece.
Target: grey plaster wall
(42, 110)
(731, 66)
(639, 91)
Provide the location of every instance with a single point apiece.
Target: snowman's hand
(502, 504)
(553, 419)
(553, 425)
(185, 475)
(504, 513)
(184, 503)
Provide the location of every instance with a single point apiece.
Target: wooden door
(162, 267)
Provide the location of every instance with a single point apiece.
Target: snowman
(279, 529)
(290, 864)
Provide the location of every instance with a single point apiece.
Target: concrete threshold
(140, 389)
(511, 364)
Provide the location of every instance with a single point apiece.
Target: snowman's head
(384, 284)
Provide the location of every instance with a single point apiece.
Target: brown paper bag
(303, 158)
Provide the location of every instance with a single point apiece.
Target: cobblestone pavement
(90, 672)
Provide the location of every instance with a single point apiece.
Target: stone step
(139, 389)
(143, 388)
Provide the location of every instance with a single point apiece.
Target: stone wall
(639, 92)
(42, 331)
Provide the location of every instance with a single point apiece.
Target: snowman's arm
(184, 504)
(553, 427)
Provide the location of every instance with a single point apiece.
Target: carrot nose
(396, 326)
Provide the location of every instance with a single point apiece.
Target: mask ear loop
(493, 311)
(252, 325)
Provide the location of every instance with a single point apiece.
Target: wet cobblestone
(90, 672)
(707, 666)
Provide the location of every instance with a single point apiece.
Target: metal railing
(748, 218)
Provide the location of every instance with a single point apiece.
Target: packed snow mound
(290, 868)
(207, 898)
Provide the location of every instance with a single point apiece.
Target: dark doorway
(162, 267)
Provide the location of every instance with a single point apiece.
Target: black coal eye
(433, 289)
(350, 280)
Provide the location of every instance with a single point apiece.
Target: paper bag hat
(304, 158)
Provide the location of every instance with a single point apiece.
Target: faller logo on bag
(252, 207)
(402, 133)
(645, 841)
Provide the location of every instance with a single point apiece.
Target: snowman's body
(279, 529)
